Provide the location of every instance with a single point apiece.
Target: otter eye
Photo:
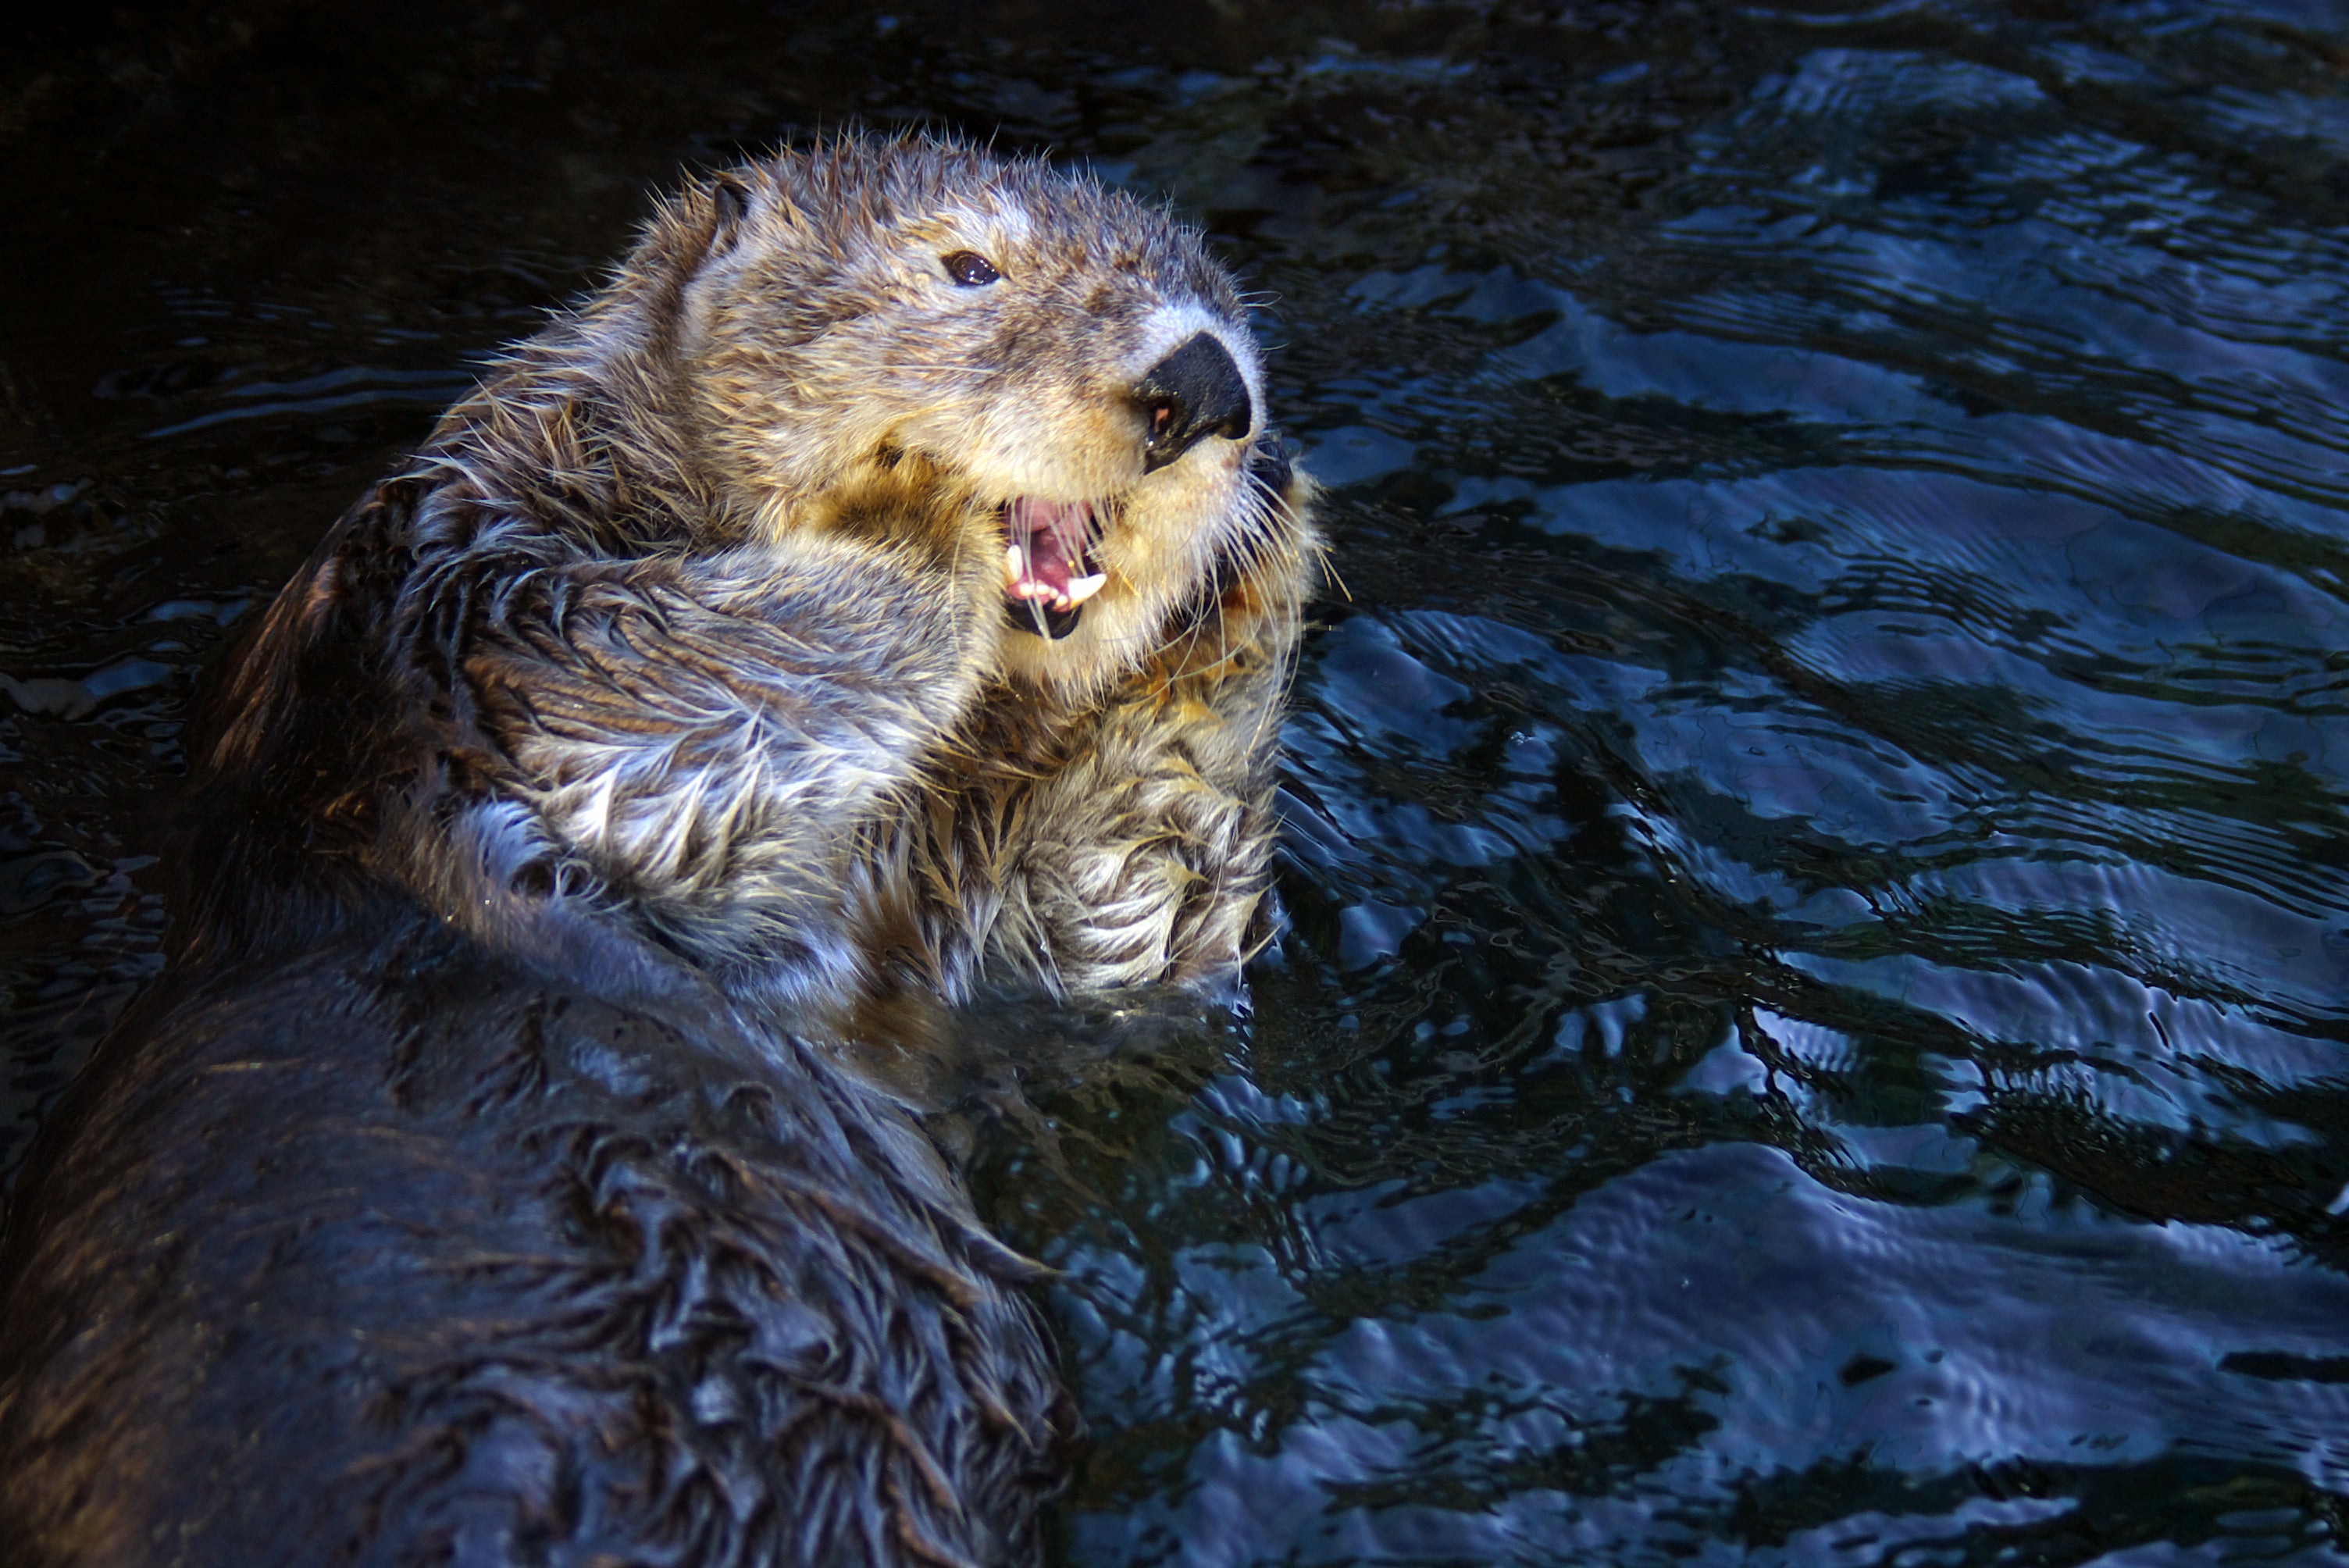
(970, 269)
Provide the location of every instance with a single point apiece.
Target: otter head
(1044, 381)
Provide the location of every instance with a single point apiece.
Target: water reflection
(1813, 1024)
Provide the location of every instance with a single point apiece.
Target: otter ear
(703, 261)
(730, 201)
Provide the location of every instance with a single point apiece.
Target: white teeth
(1070, 530)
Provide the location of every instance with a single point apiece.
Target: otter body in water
(882, 593)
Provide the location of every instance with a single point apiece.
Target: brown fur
(471, 1190)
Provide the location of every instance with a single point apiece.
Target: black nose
(1194, 392)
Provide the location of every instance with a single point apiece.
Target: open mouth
(1047, 563)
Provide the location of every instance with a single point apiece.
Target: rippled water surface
(1817, 841)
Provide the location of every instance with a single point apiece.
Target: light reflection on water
(1813, 1030)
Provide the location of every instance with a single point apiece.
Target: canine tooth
(1014, 561)
(1083, 588)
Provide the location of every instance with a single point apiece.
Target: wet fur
(492, 1180)
(394, 1253)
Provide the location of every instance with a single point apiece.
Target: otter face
(1043, 381)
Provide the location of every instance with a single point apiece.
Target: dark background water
(1818, 824)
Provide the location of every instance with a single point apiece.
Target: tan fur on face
(824, 337)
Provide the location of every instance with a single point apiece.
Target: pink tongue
(1052, 534)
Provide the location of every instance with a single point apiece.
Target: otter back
(398, 1254)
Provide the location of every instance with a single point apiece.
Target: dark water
(1814, 1029)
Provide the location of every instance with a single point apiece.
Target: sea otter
(881, 594)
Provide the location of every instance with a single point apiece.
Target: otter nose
(1194, 392)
